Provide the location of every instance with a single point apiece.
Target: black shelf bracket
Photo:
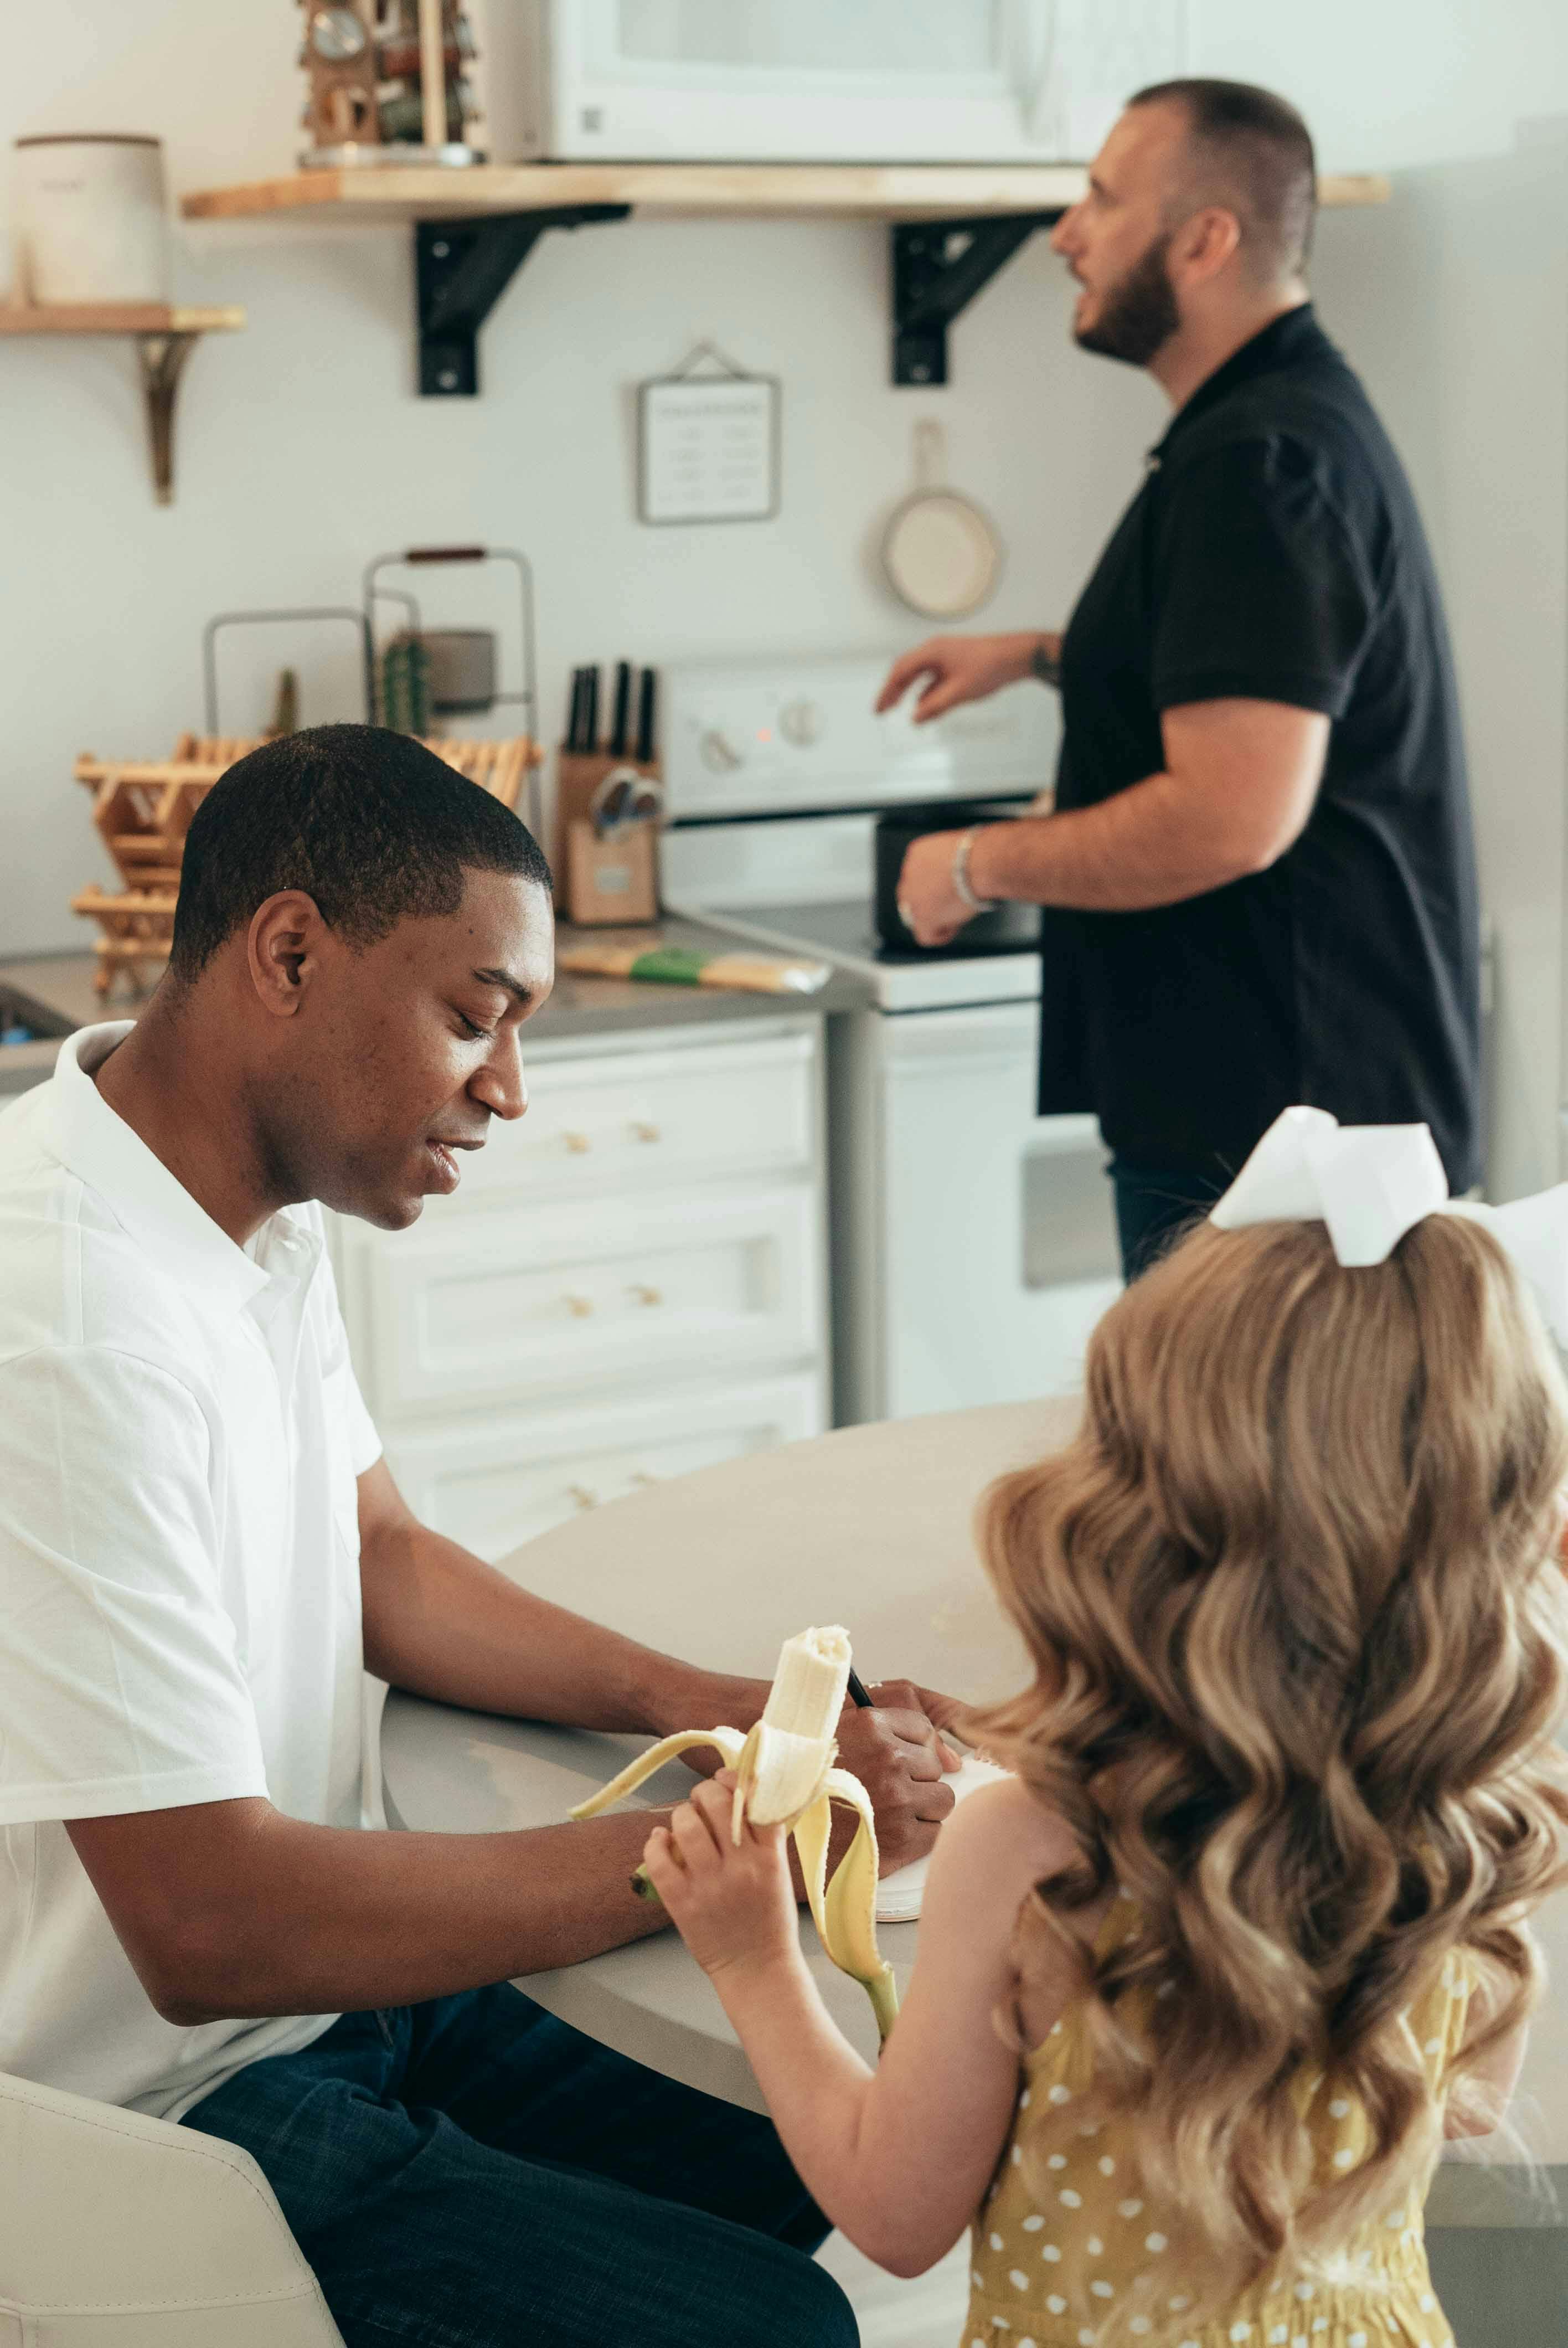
(461, 269)
(938, 267)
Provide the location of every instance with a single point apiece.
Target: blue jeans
(471, 2173)
(1153, 1208)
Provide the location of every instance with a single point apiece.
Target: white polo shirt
(179, 1604)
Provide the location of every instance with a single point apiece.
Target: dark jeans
(473, 2174)
(1153, 1207)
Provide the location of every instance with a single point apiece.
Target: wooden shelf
(115, 318)
(892, 191)
(951, 226)
(165, 334)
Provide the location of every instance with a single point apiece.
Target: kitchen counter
(62, 985)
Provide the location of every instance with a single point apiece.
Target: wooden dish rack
(143, 810)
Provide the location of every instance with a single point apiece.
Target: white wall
(1453, 303)
(302, 450)
(1387, 84)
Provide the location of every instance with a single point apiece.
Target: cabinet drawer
(528, 1303)
(507, 1479)
(635, 1121)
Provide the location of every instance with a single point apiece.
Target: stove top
(846, 926)
(842, 931)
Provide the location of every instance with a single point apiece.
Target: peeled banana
(784, 1776)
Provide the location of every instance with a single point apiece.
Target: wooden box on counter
(599, 883)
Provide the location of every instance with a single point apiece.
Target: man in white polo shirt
(201, 1553)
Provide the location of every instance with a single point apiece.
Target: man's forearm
(1147, 846)
(346, 1920)
(440, 1624)
(1238, 785)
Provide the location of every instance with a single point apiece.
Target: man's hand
(960, 669)
(929, 904)
(902, 1761)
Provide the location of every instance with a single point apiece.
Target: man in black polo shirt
(1260, 871)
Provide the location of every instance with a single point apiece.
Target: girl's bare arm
(898, 2158)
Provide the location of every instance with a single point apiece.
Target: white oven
(892, 81)
(973, 1242)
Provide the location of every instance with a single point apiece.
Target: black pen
(857, 1694)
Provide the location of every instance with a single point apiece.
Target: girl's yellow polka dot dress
(1062, 2267)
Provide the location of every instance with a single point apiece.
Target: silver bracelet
(963, 886)
(1046, 665)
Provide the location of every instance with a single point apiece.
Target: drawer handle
(578, 1143)
(645, 1132)
(644, 1294)
(580, 1307)
(581, 1497)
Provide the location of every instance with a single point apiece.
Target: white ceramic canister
(92, 219)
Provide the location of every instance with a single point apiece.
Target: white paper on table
(898, 1895)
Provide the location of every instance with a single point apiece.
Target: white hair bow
(1371, 1183)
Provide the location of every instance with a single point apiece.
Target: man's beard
(1138, 316)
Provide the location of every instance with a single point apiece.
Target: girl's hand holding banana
(733, 1903)
(783, 1774)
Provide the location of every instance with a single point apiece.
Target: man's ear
(283, 949)
(1204, 244)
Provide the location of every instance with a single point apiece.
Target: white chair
(126, 2233)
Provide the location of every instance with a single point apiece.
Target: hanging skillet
(940, 554)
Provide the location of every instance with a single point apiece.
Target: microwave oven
(843, 81)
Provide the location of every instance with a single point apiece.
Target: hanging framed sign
(708, 443)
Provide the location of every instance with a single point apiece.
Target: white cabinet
(630, 1283)
(529, 1305)
(660, 1115)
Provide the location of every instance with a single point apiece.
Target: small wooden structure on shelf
(384, 74)
(165, 334)
(142, 810)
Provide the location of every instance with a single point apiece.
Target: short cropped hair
(1253, 153)
(369, 823)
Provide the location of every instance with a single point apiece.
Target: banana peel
(784, 1776)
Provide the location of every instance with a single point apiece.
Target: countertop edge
(581, 1008)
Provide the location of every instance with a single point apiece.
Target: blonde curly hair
(1295, 1607)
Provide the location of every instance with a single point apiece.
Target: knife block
(602, 882)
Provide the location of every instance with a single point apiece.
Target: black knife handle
(645, 718)
(622, 709)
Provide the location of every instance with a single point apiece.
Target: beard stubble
(1139, 314)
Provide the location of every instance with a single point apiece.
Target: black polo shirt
(1275, 553)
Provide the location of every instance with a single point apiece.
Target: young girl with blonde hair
(1201, 1988)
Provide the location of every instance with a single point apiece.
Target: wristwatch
(1045, 665)
(963, 886)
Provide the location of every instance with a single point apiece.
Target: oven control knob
(720, 755)
(800, 722)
